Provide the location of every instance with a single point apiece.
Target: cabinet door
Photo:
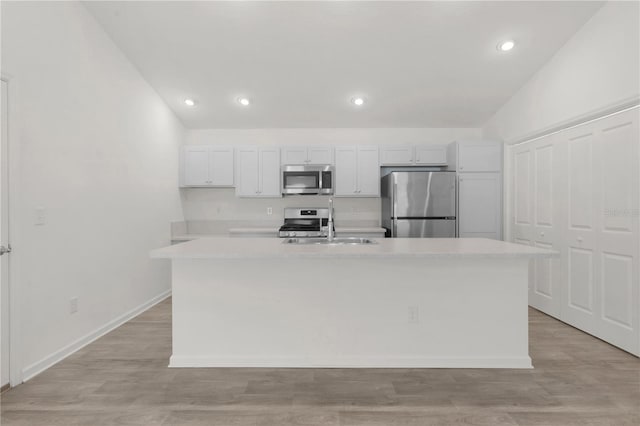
(247, 172)
(479, 157)
(396, 155)
(269, 173)
(320, 155)
(294, 155)
(435, 155)
(368, 178)
(346, 171)
(221, 166)
(196, 165)
(480, 205)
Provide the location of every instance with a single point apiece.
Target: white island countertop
(272, 248)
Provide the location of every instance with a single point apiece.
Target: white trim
(13, 158)
(38, 367)
(4, 235)
(347, 362)
(596, 114)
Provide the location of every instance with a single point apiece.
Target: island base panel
(373, 313)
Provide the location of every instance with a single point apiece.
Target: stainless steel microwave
(307, 180)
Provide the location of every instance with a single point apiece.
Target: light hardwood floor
(123, 379)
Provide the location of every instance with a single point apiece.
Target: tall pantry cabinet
(479, 168)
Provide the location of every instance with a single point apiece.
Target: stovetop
(305, 222)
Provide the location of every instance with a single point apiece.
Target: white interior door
(4, 276)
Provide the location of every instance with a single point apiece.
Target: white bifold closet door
(577, 191)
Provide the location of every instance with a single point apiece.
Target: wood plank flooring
(123, 379)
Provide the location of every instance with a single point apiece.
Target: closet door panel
(619, 237)
(578, 307)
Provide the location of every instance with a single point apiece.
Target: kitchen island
(402, 302)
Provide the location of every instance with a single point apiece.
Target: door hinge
(5, 250)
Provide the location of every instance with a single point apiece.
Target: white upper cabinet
(368, 172)
(196, 166)
(221, 166)
(435, 155)
(413, 155)
(294, 155)
(396, 155)
(320, 155)
(206, 165)
(269, 173)
(258, 171)
(475, 156)
(316, 155)
(357, 171)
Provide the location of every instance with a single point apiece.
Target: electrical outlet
(40, 216)
(73, 305)
(413, 315)
(269, 210)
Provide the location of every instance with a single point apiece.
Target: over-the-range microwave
(307, 180)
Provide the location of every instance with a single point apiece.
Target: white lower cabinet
(258, 172)
(357, 171)
(578, 191)
(480, 205)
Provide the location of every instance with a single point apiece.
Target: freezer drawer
(424, 228)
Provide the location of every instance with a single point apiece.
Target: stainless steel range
(305, 222)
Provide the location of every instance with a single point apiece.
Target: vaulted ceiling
(416, 64)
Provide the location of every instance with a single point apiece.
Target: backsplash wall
(221, 204)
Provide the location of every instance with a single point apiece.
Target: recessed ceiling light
(189, 102)
(506, 45)
(357, 101)
(244, 101)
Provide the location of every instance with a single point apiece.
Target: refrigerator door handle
(394, 216)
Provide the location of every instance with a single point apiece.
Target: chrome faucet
(330, 232)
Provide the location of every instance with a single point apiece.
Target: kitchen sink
(325, 241)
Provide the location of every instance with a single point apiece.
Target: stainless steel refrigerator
(419, 204)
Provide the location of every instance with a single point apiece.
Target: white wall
(597, 68)
(97, 150)
(221, 204)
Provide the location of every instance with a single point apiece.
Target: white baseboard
(48, 361)
(348, 362)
